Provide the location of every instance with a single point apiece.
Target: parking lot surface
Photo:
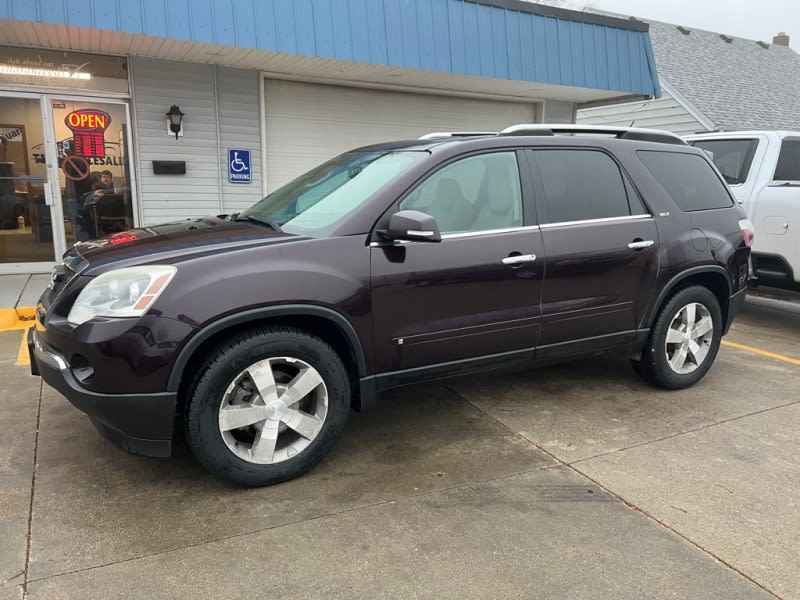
(576, 481)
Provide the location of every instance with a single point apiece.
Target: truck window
(788, 168)
(688, 179)
(732, 157)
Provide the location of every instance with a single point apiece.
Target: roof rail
(623, 133)
(448, 134)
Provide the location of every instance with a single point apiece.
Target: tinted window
(732, 157)
(473, 194)
(688, 179)
(583, 184)
(788, 168)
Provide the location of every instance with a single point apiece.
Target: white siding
(662, 113)
(159, 84)
(307, 124)
(557, 111)
(240, 127)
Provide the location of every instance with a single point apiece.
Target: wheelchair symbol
(237, 164)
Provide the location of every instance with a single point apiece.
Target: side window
(732, 157)
(478, 193)
(585, 184)
(788, 168)
(688, 179)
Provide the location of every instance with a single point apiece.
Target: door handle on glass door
(640, 244)
(519, 259)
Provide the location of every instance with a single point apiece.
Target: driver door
(474, 295)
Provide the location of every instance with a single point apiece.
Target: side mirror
(413, 225)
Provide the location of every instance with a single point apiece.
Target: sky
(754, 19)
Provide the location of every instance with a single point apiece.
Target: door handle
(640, 244)
(49, 199)
(519, 259)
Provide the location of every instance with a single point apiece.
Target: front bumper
(137, 423)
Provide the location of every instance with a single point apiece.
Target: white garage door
(307, 124)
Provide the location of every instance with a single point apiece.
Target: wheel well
(325, 329)
(715, 282)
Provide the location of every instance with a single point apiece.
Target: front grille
(62, 276)
(60, 280)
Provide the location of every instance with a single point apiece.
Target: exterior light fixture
(175, 117)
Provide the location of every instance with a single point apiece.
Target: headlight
(122, 293)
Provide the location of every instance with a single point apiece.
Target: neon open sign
(87, 119)
(88, 127)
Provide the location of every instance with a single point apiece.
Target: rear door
(776, 215)
(601, 251)
(474, 295)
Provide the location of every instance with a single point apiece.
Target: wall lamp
(175, 118)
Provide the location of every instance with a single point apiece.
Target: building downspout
(220, 153)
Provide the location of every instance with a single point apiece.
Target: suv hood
(170, 243)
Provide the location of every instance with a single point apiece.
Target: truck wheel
(684, 340)
(267, 406)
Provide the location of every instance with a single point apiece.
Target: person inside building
(103, 187)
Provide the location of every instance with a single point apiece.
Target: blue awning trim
(504, 39)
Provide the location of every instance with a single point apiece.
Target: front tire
(267, 406)
(684, 340)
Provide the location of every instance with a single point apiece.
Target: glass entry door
(65, 175)
(94, 175)
(27, 203)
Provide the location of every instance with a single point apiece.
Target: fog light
(81, 369)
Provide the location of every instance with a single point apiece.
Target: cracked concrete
(574, 481)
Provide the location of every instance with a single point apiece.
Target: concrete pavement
(575, 481)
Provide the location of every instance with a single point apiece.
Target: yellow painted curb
(20, 318)
(26, 313)
(8, 318)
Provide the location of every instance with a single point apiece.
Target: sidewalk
(18, 296)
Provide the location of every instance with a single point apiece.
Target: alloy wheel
(689, 338)
(273, 410)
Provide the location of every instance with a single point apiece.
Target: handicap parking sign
(239, 166)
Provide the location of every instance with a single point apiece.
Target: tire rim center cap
(276, 410)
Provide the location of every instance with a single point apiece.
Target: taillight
(747, 231)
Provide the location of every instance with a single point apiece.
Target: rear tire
(267, 406)
(684, 340)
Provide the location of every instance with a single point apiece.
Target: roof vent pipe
(684, 30)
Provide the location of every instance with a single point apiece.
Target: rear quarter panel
(689, 241)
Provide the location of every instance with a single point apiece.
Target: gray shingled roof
(737, 85)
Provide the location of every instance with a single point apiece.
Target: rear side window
(732, 157)
(689, 180)
(788, 168)
(584, 184)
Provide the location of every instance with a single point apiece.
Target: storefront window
(26, 233)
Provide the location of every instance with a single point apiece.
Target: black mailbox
(169, 167)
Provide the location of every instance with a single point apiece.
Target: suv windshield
(731, 157)
(313, 203)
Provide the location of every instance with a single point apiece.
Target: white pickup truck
(762, 169)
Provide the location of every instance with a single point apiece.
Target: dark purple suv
(256, 333)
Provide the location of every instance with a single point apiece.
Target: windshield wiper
(261, 221)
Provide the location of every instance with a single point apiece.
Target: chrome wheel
(689, 338)
(273, 410)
